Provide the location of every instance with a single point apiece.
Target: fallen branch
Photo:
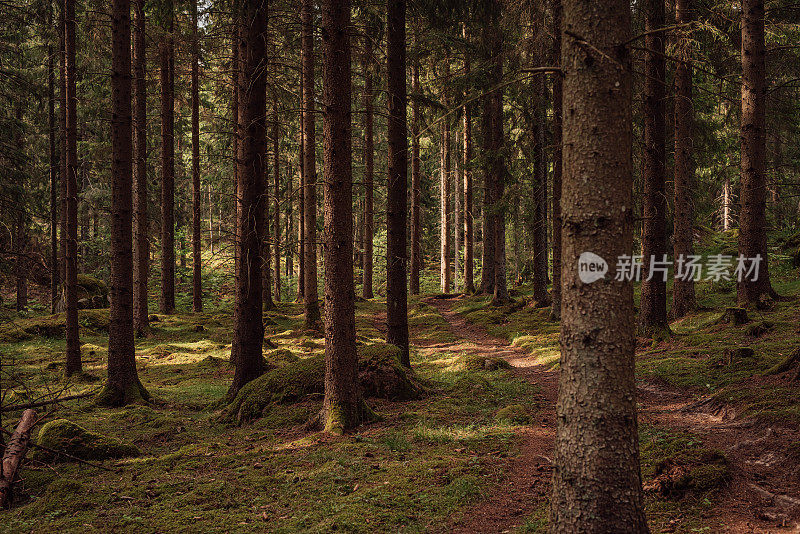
(15, 452)
(39, 404)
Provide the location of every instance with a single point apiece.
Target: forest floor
(719, 438)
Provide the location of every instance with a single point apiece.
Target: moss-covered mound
(691, 471)
(515, 414)
(281, 357)
(62, 435)
(485, 363)
(51, 326)
(380, 374)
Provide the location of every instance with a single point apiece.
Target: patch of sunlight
(458, 433)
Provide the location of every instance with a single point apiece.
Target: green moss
(62, 435)
(515, 414)
(485, 363)
(282, 357)
(380, 375)
(91, 285)
(114, 396)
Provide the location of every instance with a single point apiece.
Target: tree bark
(540, 252)
(197, 282)
(753, 197)
(54, 178)
(558, 118)
(301, 191)
(62, 123)
(310, 293)
(343, 407)
(445, 209)
(73, 353)
(498, 171)
(276, 173)
(415, 181)
(597, 481)
(488, 218)
(652, 320)
(167, 75)
(122, 386)
(397, 191)
(141, 239)
(266, 236)
(248, 326)
(469, 282)
(369, 160)
(683, 295)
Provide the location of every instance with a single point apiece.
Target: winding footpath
(765, 478)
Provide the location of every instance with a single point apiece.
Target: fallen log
(39, 404)
(15, 452)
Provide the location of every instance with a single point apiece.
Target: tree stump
(734, 316)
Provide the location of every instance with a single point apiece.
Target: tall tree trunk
(276, 173)
(458, 221)
(415, 181)
(266, 237)
(397, 189)
(289, 219)
(498, 173)
(752, 289)
(727, 218)
(343, 407)
(301, 192)
(540, 252)
(683, 296)
(197, 283)
(248, 326)
(597, 481)
(62, 122)
(73, 355)
(20, 235)
(123, 385)
(445, 210)
(653, 302)
(488, 219)
(369, 160)
(54, 179)
(310, 293)
(141, 238)
(167, 74)
(558, 118)
(469, 239)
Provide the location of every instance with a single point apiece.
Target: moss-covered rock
(380, 375)
(62, 435)
(515, 414)
(690, 471)
(485, 363)
(51, 326)
(759, 329)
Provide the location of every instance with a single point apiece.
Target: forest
(501, 266)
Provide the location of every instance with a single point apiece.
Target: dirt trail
(526, 479)
(764, 493)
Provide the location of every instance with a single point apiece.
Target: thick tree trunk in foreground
(469, 238)
(123, 386)
(596, 481)
(197, 282)
(683, 297)
(558, 117)
(141, 239)
(397, 191)
(248, 326)
(369, 165)
(752, 218)
(652, 318)
(310, 293)
(415, 182)
(343, 407)
(167, 78)
(73, 356)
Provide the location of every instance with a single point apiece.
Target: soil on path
(764, 493)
